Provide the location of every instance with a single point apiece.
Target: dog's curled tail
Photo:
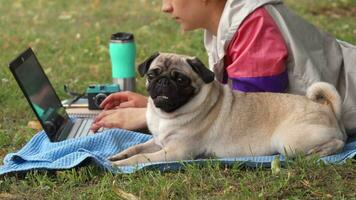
(326, 93)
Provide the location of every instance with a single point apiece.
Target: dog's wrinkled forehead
(169, 61)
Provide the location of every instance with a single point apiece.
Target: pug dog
(191, 115)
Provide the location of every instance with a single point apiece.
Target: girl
(254, 46)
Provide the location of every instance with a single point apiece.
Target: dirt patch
(335, 12)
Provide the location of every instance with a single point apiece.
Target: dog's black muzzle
(167, 94)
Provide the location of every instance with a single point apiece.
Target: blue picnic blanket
(39, 153)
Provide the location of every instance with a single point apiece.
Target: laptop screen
(39, 92)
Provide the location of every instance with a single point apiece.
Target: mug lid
(122, 36)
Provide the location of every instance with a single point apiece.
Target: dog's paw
(328, 148)
(118, 157)
(125, 162)
(117, 164)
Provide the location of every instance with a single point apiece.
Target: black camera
(97, 93)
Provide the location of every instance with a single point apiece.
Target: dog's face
(172, 80)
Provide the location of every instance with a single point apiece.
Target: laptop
(44, 101)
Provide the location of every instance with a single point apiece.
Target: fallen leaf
(4, 80)
(35, 125)
(124, 195)
(95, 3)
(9, 196)
(94, 70)
(276, 165)
(65, 16)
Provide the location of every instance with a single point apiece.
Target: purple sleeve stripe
(277, 83)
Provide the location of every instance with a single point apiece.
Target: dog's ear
(143, 67)
(205, 74)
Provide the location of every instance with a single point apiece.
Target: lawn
(70, 39)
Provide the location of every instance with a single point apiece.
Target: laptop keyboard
(84, 128)
(84, 115)
(81, 127)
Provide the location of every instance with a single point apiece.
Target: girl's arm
(256, 56)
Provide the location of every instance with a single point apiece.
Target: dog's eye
(151, 76)
(182, 80)
(153, 73)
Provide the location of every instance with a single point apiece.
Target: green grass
(71, 41)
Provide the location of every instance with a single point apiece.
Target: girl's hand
(125, 118)
(124, 99)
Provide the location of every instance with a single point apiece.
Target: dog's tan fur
(224, 123)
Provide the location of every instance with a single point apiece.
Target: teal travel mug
(122, 50)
